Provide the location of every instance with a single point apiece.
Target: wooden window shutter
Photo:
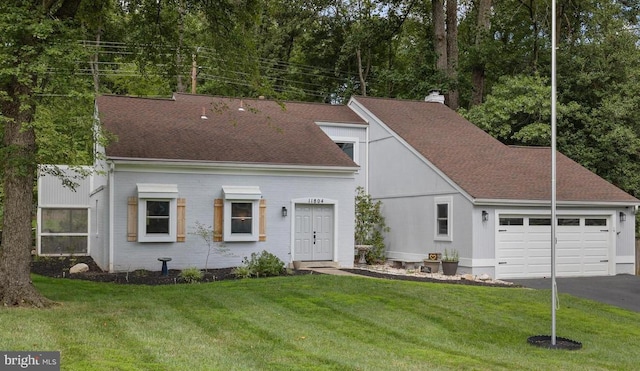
(263, 220)
(182, 220)
(218, 208)
(132, 219)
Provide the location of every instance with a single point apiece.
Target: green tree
(370, 225)
(37, 55)
(518, 111)
(45, 92)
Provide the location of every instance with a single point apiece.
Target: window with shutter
(241, 215)
(157, 214)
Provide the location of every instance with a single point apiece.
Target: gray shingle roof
(266, 132)
(481, 165)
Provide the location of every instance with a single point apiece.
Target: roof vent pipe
(434, 97)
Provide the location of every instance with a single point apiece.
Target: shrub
(242, 272)
(370, 226)
(263, 265)
(191, 275)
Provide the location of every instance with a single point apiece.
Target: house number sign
(316, 200)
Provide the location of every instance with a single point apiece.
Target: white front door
(313, 239)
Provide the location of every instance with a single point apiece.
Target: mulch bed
(58, 267)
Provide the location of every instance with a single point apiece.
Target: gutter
(209, 165)
(502, 202)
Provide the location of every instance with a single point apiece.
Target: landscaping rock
(79, 268)
(484, 277)
(468, 277)
(389, 272)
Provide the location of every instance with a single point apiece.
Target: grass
(316, 322)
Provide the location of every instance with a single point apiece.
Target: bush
(242, 272)
(191, 275)
(263, 265)
(370, 226)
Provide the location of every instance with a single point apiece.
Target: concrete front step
(316, 264)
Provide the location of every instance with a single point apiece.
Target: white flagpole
(553, 173)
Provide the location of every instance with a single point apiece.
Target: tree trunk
(439, 35)
(452, 53)
(16, 288)
(361, 74)
(181, 11)
(95, 66)
(478, 70)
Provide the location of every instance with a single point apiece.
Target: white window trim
(242, 194)
(157, 192)
(449, 202)
(40, 233)
(356, 146)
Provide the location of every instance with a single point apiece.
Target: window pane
(539, 221)
(569, 221)
(63, 245)
(64, 220)
(158, 216)
(443, 211)
(596, 222)
(158, 225)
(511, 221)
(240, 225)
(346, 148)
(443, 227)
(241, 213)
(241, 210)
(158, 208)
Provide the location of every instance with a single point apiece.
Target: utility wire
(278, 72)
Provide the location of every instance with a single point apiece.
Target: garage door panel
(540, 270)
(596, 251)
(582, 248)
(567, 252)
(538, 263)
(596, 269)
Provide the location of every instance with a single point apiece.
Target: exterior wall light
(623, 216)
(485, 215)
(284, 211)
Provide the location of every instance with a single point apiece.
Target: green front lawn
(316, 322)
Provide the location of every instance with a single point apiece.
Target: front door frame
(314, 201)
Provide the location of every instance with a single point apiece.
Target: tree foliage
(56, 54)
(370, 225)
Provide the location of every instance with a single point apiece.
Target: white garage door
(523, 247)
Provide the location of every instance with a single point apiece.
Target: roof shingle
(483, 166)
(266, 131)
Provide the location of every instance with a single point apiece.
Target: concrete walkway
(333, 271)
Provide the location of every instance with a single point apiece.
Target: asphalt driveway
(622, 290)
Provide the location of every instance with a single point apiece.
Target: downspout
(366, 178)
(111, 214)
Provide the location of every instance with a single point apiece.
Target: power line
(212, 68)
(211, 54)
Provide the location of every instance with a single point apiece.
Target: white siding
(98, 234)
(51, 191)
(625, 242)
(408, 186)
(351, 131)
(200, 190)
